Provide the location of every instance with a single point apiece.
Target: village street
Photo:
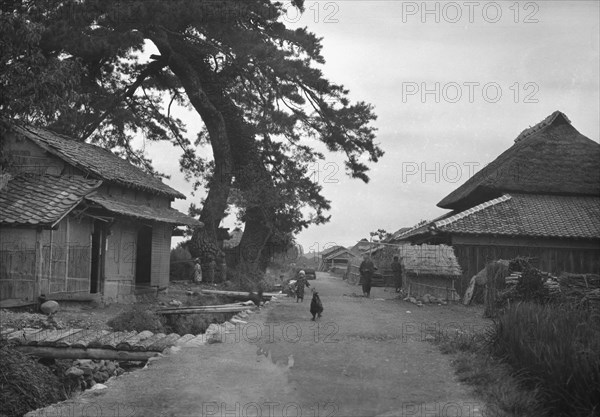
(366, 357)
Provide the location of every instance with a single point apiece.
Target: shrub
(557, 348)
(139, 318)
(193, 323)
(25, 384)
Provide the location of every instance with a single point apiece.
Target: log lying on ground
(266, 295)
(76, 353)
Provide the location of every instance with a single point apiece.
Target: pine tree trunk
(204, 240)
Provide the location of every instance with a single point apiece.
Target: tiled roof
(530, 215)
(131, 209)
(41, 200)
(96, 160)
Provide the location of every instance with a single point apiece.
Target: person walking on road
(300, 284)
(397, 271)
(367, 268)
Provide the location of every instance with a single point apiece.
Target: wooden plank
(203, 311)
(30, 334)
(88, 336)
(238, 293)
(127, 344)
(69, 339)
(77, 353)
(164, 343)
(144, 344)
(54, 336)
(41, 336)
(247, 303)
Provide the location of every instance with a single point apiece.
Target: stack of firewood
(581, 287)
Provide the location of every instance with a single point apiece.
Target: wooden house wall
(161, 254)
(119, 262)
(551, 256)
(35, 261)
(440, 287)
(17, 263)
(28, 157)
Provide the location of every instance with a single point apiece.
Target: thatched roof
(432, 260)
(551, 157)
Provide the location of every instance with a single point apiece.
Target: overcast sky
(453, 84)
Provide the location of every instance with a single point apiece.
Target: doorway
(143, 259)
(97, 257)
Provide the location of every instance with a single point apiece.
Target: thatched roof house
(539, 199)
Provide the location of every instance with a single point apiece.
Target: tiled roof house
(78, 221)
(540, 198)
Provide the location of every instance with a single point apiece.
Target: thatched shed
(428, 269)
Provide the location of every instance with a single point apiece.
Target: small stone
(175, 303)
(74, 371)
(98, 386)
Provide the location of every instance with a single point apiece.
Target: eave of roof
(528, 215)
(131, 209)
(34, 200)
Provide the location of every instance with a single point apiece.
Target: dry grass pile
(25, 384)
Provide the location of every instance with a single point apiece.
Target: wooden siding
(161, 254)
(119, 263)
(473, 257)
(35, 262)
(17, 263)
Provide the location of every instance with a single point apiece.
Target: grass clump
(557, 349)
(25, 384)
(139, 318)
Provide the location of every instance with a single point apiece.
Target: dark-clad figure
(316, 306)
(397, 272)
(367, 268)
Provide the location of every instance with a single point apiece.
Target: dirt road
(366, 357)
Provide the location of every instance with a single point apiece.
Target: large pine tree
(78, 67)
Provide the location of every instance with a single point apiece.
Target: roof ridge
(472, 210)
(539, 126)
